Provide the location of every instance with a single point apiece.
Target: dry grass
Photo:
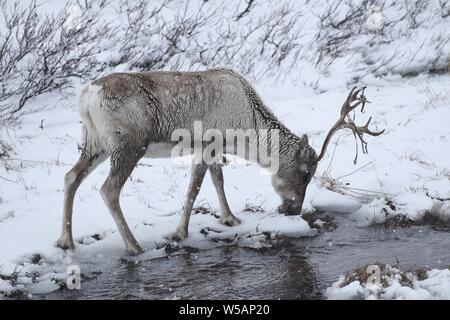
(405, 277)
(428, 218)
(434, 98)
(342, 186)
(5, 148)
(204, 207)
(249, 207)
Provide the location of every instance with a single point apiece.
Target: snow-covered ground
(406, 172)
(395, 284)
(408, 164)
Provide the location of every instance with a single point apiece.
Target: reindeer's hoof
(134, 250)
(230, 220)
(293, 213)
(179, 235)
(289, 210)
(65, 243)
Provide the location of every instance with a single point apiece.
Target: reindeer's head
(293, 177)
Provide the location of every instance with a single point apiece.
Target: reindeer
(127, 116)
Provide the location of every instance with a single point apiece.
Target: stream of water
(299, 269)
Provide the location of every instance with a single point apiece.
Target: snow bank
(405, 173)
(47, 273)
(406, 165)
(395, 284)
(411, 206)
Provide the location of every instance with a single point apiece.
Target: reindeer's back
(146, 107)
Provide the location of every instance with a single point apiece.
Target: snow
(375, 21)
(6, 287)
(326, 200)
(43, 287)
(153, 198)
(435, 286)
(407, 165)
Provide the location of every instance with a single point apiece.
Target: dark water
(298, 269)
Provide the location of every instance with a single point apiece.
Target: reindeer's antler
(345, 121)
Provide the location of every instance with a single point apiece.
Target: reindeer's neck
(289, 146)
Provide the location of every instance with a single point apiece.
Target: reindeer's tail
(89, 108)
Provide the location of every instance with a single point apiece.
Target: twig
(354, 171)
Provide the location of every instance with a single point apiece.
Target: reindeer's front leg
(226, 217)
(197, 175)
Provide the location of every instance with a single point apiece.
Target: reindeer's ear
(305, 139)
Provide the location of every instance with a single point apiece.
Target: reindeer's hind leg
(226, 217)
(197, 175)
(122, 165)
(72, 180)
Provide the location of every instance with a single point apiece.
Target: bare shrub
(139, 33)
(250, 207)
(413, 9)
(338, 24)
(445, 8)
(201, 34)
(40, 53)
(5, 149)
(411, 39)
(258, 43)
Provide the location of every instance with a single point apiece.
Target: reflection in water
(301, 270)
